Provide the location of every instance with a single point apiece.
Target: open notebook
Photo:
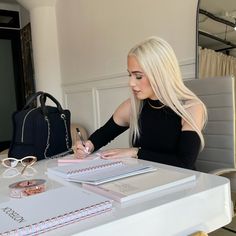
(49, 210)
(99, 171)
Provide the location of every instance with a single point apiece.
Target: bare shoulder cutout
(196, 110)
(121, 115)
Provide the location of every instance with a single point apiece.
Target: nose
(132, 82)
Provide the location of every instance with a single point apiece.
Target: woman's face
(138, 81)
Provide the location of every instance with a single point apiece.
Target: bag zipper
(23, 124)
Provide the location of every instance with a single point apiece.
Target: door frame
(14, 37)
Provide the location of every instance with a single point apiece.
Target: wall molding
(187, 67)
(92, 80)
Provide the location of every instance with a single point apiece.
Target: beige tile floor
(232, 226)
(224, 232)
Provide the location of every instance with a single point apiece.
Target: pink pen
(82, 140)
(70, 160)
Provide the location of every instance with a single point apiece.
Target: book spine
(117, 196)
(61, 220)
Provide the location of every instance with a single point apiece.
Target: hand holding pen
(83, 148)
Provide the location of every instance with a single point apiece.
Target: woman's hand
(119, 153)
(83, 150)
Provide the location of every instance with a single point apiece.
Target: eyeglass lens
(12, 162)
(28, 161)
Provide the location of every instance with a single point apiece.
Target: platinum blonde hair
(159, 63)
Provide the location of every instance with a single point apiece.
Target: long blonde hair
(160, 65)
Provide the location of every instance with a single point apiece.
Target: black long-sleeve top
(161, 139)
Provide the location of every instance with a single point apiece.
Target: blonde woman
(165, 118)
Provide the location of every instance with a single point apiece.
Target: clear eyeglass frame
(11, 162)
(14, 172)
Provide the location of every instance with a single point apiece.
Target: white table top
(201, 205)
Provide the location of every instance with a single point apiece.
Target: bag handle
(43, 99)
(32, 98)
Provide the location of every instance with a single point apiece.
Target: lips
(136, 92)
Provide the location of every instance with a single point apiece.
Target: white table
(202, 205)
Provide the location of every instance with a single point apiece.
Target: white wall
(45, 50)
(94, 38)
(24, 16)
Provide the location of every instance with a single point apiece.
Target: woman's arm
(116, 125)
(106, 133)
(188, 145)
(185, 157)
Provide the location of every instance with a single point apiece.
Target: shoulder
(124, 106)
(196, 111)
(121, 115)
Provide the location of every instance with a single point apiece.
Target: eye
(138, 76)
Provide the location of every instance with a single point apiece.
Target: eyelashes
(138, 76)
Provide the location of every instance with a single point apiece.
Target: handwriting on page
(13, 214)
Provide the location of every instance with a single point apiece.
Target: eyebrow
(135, 72)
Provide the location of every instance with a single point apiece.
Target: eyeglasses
(13, 172)
(11, 162)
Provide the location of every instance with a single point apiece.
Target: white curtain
(215, 64)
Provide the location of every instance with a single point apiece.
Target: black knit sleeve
(106, 134)
(185, 157)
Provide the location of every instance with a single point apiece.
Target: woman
(165, 118)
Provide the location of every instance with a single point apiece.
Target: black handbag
(42, 131)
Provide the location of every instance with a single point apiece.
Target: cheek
(145, 84)
(147, 89)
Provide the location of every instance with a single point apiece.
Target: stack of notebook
(109, 178)
(99, 171)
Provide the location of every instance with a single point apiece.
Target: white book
(99, 171)
(138, 186)
(49, 210)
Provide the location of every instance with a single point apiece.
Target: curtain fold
(215, 64)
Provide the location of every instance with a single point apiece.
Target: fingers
(119, 153)
(109, 157)
(83, 150)
(112, 154)
(80, 155)
(87, 148)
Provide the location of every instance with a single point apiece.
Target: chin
(141, 97)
